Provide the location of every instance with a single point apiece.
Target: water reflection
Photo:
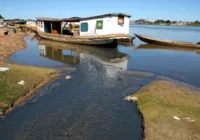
(162, 47)
(46, 53)
(71, 53)
(63, 56)
(110, 58)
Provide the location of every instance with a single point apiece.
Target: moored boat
(167, 42)
(102, 30)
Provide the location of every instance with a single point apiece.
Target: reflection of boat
(153, 46)
(63, 56)
(167, 42)
(106, 54)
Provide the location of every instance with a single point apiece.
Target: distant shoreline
(191, 25)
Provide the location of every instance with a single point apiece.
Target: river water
(91, 105)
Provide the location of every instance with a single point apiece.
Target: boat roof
(77, 19)
(106, 15)
(31, 20)
(72, 19)
(49, 19)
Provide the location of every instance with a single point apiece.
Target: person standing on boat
(70, 26)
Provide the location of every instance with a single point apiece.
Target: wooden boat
(167, 42)
(100, 30)
(126, 42)
(103, 40)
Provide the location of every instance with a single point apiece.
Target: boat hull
(166, 42)
(107, 42)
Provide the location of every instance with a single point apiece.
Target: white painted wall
(110, 26)
(31, 23)
(1, 22)
(40, 26)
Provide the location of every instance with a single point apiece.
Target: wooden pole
(51, 27)
(61, 27)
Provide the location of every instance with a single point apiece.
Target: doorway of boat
(52, 27)
(70, 28)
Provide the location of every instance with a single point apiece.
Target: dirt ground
(171, 111)
(11, 43)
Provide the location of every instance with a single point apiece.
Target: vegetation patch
(171, 111)
(11, 92)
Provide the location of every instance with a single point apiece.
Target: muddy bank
(11, 93)
(170, 110)
(11, 43)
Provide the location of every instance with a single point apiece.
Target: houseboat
(97, 30)
(31, 23)
(1, 23)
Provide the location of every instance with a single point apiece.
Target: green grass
(10, 91)
(160, 101)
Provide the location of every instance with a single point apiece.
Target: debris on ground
(4, 69)
(131, 98)
(21, 83)
(68, 77)
(176, 118)
(6, 33)
(189, 119)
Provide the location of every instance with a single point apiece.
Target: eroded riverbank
(11, 93)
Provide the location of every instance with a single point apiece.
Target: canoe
(166, 42)
(102, 40)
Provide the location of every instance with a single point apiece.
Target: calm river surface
(91, 106)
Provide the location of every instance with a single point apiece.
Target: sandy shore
(11, 93)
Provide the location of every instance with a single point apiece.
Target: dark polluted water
(90, 106)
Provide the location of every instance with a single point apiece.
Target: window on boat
(99, 24)
(121, 20)
(84, 27)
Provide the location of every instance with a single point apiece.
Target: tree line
(167, 22)
(1, 17)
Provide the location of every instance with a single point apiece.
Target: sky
(184, 10)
